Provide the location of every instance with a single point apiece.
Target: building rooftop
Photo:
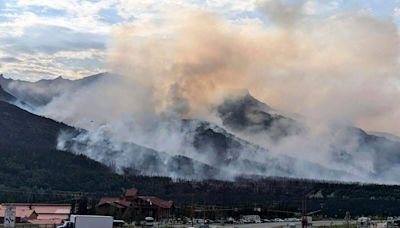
(21, 212)
(132, 192)
(157, 201)
(40, 213)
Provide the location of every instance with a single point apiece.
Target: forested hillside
(29, 157)
(32, 170)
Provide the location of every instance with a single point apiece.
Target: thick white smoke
(334, 72)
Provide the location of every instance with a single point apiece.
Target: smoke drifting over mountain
(334, 73)
(342, 68)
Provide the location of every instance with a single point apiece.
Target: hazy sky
(47, 38)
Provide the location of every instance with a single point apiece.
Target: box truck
(88, 221)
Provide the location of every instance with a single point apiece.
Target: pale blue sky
(47, 38)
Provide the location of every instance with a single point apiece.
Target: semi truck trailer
(88, 221)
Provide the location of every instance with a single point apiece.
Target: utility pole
(192, 210)
(204, 214)
(304, 220)
(347, 218)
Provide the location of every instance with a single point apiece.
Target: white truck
(364, 222)
(251, 219)
(88, 221)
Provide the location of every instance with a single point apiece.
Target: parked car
(149, 221)
(278, 220)
(230, 220)
(119, 223)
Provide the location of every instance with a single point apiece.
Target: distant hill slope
(244, 114)
(4, 96)
(41, 92)
(385, 135)
(28, 156)
(249, 127)
(19, 127)
(28, 143)
(207, 152)
(31, 169)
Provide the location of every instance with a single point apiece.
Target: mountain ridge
(36, 171)
(29, 156)
(41, 92)
(244, 114)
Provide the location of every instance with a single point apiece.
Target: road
(284, 224)
(277, 224)
(378, 224)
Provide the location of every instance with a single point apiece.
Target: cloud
(9, 60)
(314, 7)
(100, 17)
(31, 41)
(396, 13)
(110, 15)
(40, 28)
(34, 66)
(65, 52)
(282, 13)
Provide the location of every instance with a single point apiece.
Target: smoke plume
(327, 73)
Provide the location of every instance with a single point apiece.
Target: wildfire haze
(292, 88)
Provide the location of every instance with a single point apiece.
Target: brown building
(136, 207)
